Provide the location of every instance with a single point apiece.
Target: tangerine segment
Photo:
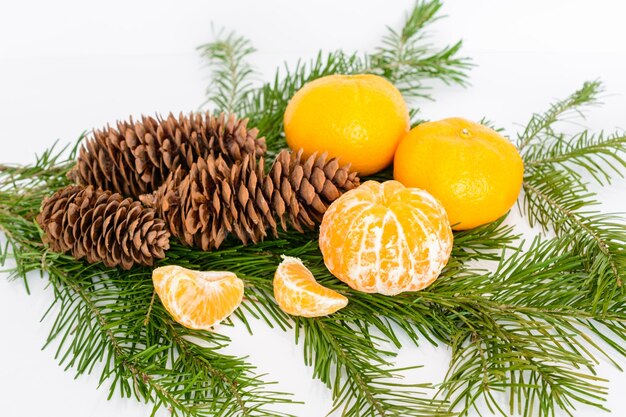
(197, 299)
(386, 238)
(298, 293)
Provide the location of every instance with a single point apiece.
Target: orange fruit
(358, 118)
(474, 171)
(386, 238)
(197, 299)
(297, 293)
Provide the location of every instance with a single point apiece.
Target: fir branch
(541, 124)
(519, 335)
(557, 200)
(335, 346)
(407, 60)
(556, 197)
(490, 361)
(235, 390)
(226, 57)
(601, 155)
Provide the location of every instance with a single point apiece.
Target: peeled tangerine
(197, 299)
(386, 238)
(297, 293)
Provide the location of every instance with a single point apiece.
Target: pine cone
(216, 198)
(301, 190)
(137, 156)
(102, 226)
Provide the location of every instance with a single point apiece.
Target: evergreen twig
(541, 124)
(226, 57)
(353, 365)
(519, 335)
(406, 58)
(557, 197)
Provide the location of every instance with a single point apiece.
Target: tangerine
(471, 169)
(358, 118)
(386, 238)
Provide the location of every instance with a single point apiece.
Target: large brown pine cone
(102, 226)
(135, 157)
(215, 198)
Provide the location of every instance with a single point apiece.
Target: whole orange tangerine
(358, 118)
(474, 171)
(386, 238)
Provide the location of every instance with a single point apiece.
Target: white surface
(67, 66)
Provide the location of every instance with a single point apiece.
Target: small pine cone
(215, 198)
(102, 226)
(137, 156)
(300, 190)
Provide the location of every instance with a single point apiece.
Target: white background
(67, 66)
